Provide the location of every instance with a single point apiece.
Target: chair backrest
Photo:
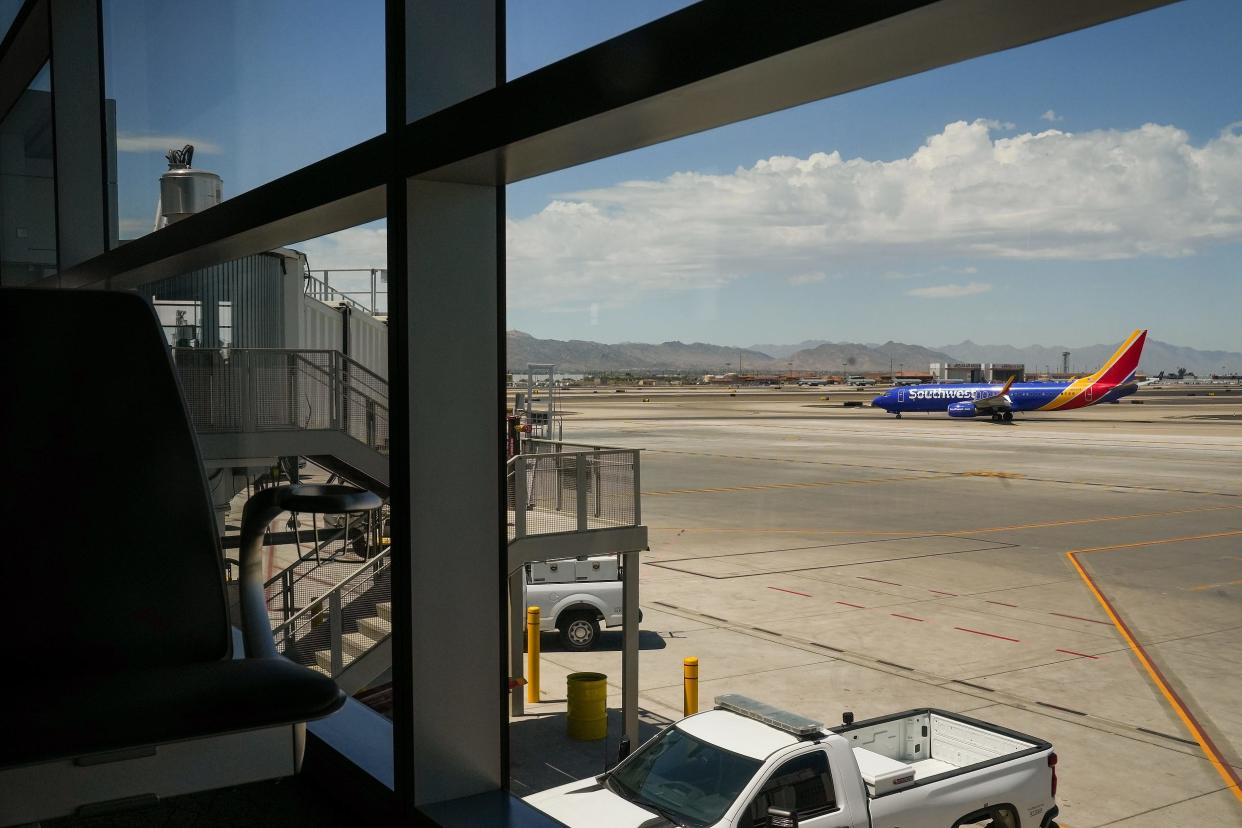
(110, 559)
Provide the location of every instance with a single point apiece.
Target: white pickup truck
(747, 764)
(574, 596)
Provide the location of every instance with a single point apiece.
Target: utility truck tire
(579, 630)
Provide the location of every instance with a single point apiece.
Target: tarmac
(1074, 576)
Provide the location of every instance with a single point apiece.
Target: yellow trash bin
(587, 696)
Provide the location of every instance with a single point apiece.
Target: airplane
(1112, 382)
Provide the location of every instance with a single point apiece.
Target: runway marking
(988, 634)
(1071, 652)
(938, 592)
(810, 484)
(1080, 618)
(1202, 587)
(1226, 771)
(877, 580)
(907, 617)
(956, 532)
(1003, 604)
(790, 591)
(848, 604)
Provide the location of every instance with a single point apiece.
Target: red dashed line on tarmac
(938, 592)
(988, 634)
(1003, 604)
(848, 604)
(1080, 618)
(907, 617)
(790, 591)
(1071, 652)
(877, 580)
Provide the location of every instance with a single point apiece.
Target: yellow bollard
(690, 681)
(532, 654)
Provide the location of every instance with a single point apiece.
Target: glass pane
(8, 12)
(258, 89)
(28, 186)
(752, 307)
(540, 32)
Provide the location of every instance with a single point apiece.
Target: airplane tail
(1122, 365)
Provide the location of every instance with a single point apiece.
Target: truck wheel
(579, 631)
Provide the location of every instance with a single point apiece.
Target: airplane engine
(965, 408)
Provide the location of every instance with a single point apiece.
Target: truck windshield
(684, 777)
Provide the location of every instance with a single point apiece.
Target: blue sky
(662, 243)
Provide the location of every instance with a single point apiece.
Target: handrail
(339, 585)
(322, 290)
(553, 492)
(273, 389)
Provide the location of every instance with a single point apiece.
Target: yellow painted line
(1205, 741)
(1202, 587)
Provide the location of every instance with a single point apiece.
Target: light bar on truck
(783, 720)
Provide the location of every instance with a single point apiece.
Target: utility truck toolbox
(575, 596)
(747, 764)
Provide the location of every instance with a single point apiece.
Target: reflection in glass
(8, 12)
(258, 89)
(28, 186)
(539, 32)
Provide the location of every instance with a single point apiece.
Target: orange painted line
(988, 634)
(907, 617)
(1223, 768)
(1071, 652)
(848, 604)
(938, 592)
(790, 591)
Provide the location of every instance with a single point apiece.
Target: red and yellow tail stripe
(1116, 370)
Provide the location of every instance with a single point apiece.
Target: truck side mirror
(780, 818)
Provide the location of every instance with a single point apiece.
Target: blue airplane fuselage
(1025, 396)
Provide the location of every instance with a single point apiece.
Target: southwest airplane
(1112, 382)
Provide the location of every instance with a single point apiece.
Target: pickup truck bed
(894, 752)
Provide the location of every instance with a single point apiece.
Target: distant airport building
(977, 371)
(1002, 371)
(956, 371)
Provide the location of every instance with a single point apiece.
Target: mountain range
(577, 355)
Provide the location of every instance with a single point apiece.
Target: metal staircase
(249, 405)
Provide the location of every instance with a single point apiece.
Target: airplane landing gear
(899, 415)
(1008, 416)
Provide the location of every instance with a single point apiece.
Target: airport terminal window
(259, 90)
(540, 32)
(28, 186)
(753, 306)
(8, 13)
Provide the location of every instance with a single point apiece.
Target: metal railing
(337, 552)
(554, 486)
(373, 300)
(321, 626)
(276, 389)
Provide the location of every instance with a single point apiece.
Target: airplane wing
(997, 402)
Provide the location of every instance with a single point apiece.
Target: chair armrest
(262, 509)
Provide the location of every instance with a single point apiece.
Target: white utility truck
(746, 764)
(574, 596)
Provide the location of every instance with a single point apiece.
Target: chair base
(131, 778)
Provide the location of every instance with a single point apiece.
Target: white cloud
(964, 194)
(806, 278)
(357, 247)
(1050, 115)
(950, 291)
(163, 143)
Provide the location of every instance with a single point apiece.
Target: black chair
(121, 683)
